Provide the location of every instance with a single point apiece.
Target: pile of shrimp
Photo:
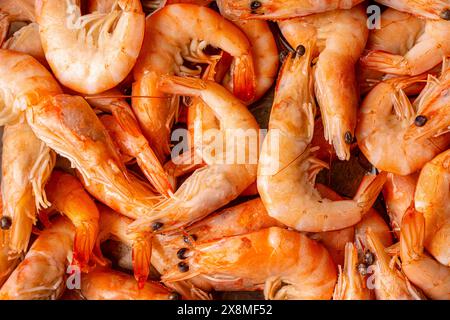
(131, 125)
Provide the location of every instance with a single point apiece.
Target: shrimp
(287, 264)
(280, 9)
(41, 274)
(339, 46)
(36, 83)
(398, 32)
(389, 282)
(350, 284)
(156, 114)
(13, 10)
(123, 127)
(422, 270)
(429, 48)
(91, 53)
(68, 125)
(430, 9)
(432, 200)
(107, 284)
(67, 195)
(26, 166)
(384, 117)
(433, 107)
(286, 179)
(398, 193)
(7, 263)
(27, 40)
(231, 170)
(114, 225)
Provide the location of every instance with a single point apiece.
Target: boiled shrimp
(12, 11)
(113, 225)
(107, 284)
(91, 53)
(67, 196)
(281, 9)
(421, 269)
(389, 283)
(291, 128)
(430, 47)
(432, 200)
(26, 166)
(229, 172)
(123, 127)
(41, 275)
(351, 285)
(339, 46)
(287, 264)
(7, 263)
(384, 117)
(430, 9)
(68, 125)
(398, 193)
(156, 114)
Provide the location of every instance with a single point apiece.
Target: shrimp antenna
(281, 40)
(123, 96)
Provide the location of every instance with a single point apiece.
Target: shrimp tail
(85, 237)
(369, 189)
(386, 62)
(141, 254)
(244, 83)
(181, 85)
(154, 172)
(412, 235)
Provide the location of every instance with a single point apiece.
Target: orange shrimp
(265, 259)
(67, 195)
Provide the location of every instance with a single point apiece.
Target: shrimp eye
(255, 5)
(445, 14)
(5, 223)
(368, 258)
(420, 121)
(157, 225)
(174, 296)
(362, 269)
(348, 137)
(300, 51)
(183, 267)
(181, 253)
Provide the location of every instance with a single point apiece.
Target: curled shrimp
(113, 225)
(432, 199)
(384, 117)
(156, 114)
(430, 9)
(123, 127)
(421, 269)
(433, 107)
(388, 282)
(67, 196)
(230, 171)
(90, 53)
(26, 166)
(398, 193)
(41, 275)
(397, 34)
(287, 168)
(107, 284)
(264, 259)
(13, 10)
(351, 285)
(339, 46)
(430, 47)
(27, 40)
(68, 125)
(281, 9)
